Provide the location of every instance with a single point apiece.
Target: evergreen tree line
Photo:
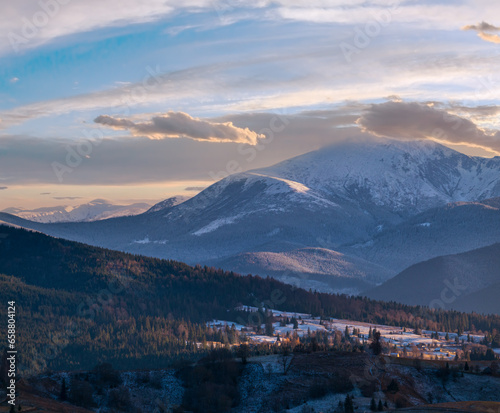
(78, 304)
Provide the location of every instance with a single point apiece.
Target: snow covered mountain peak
(168, 203)
(378, 181)
(94, 210)
(402, 175)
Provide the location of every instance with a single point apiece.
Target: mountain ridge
(95, 210)
(344, 198)
(459, 281)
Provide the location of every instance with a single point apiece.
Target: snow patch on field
(146, 240)
(425, 224)
(224, 323)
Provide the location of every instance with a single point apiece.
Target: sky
(137, 101)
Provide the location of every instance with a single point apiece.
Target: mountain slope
(168, 203)
(453, 228)
(318, 268)
(337, 198)
(463, 281)
(484, 301)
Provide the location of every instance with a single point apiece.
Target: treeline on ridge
(102, 305)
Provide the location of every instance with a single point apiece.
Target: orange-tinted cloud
(179, 124)
(484, 31)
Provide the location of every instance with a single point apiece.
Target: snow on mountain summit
(383, 179)
(401, 175)
(168, 203)
(94, 210)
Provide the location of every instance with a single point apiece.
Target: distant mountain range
(343, 218)
(93, 211)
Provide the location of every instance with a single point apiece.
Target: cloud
(14, 80)
(52, 20)
(156, 87)
(481, 110)
(412, 120)
(482, 27)
(179, 124)
(32, 24)
(319, 76)
(195, 188)
(126, 160)
(3, 187)
(482, 115)
(413, 14)
(493, 38)
(67, 197)
(123, 159)
(484, 30)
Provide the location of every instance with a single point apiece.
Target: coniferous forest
(79, 305)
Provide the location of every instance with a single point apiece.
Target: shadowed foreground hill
(467, 282)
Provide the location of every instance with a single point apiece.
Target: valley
(129, 333)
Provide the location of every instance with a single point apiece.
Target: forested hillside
(79, 305)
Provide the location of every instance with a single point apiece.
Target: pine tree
(269, 327)
(393, 386)
(63, 395)
(380, 406)
(376, 344)
(243, 352)
(348, 405)
(373, 406)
